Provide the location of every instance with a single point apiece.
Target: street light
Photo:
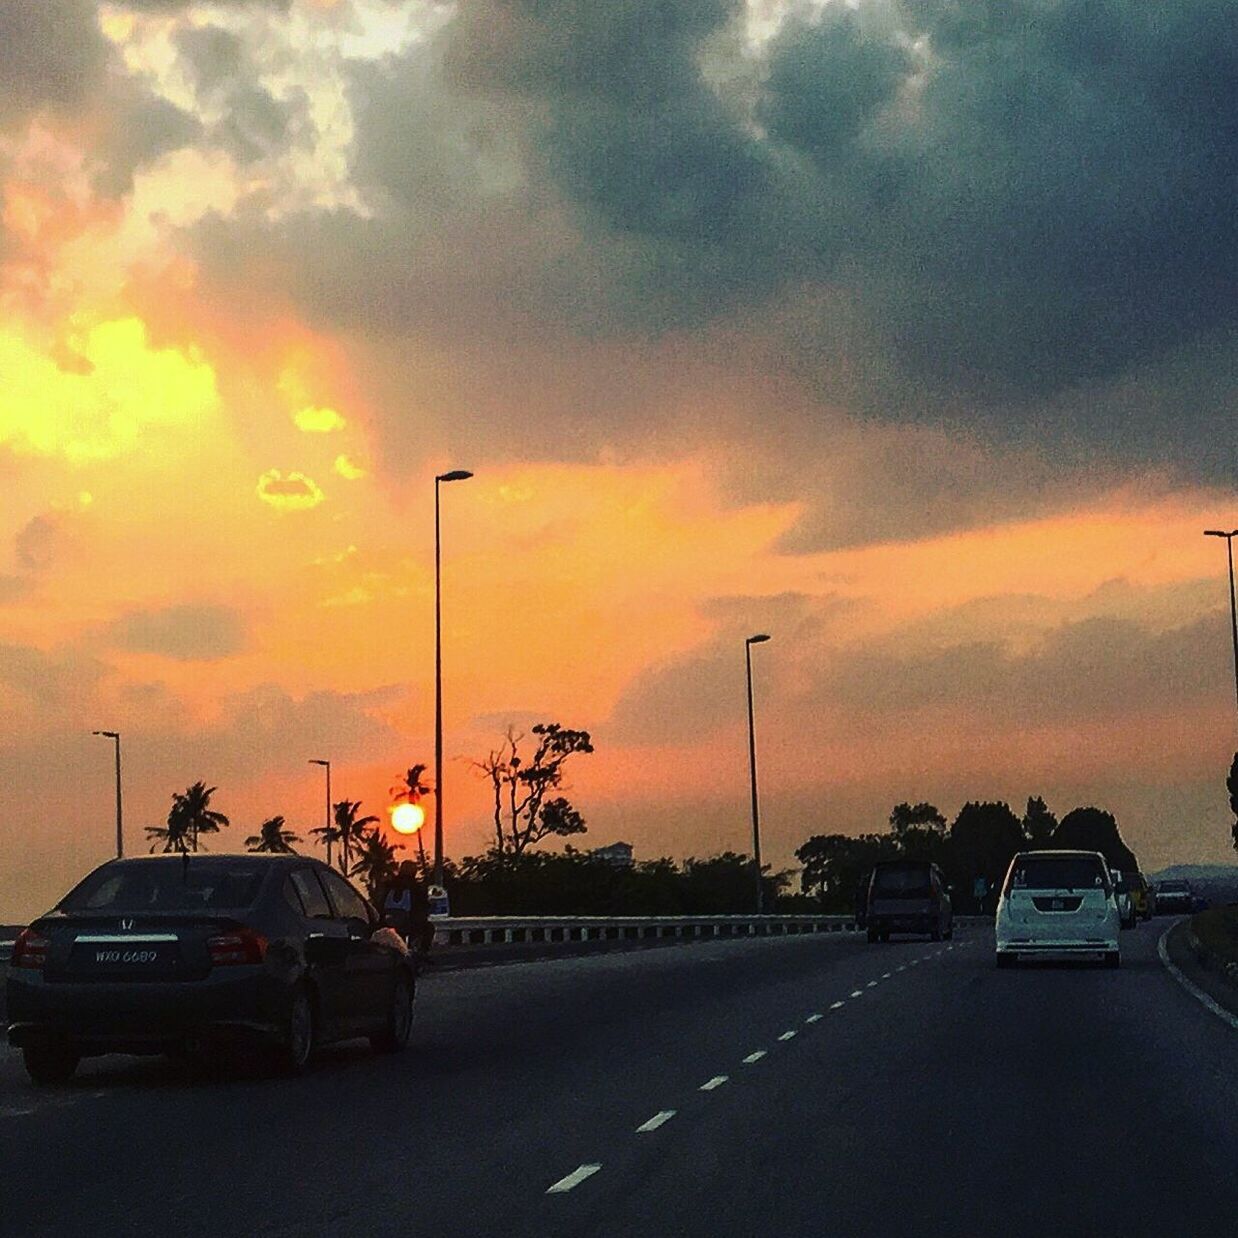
(1233, 606)
(760, 638)
(120, 828)
(454, 475)
(327, 766)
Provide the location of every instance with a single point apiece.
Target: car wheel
(300, 1039)
(395, 1036)
(50, 1062)
(1005, 958)
(1113, 958)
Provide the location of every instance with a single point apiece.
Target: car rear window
(175, 886)
(902, 879)
(1057, 873)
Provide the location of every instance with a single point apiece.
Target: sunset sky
(905, 332)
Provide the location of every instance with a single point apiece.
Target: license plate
(133, 957)
(124, 958)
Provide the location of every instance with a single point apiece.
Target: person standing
(403, 905)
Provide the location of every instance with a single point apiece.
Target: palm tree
(346, 829)
(195, 814)
(273, 838)
(411, 788)
(375, 859)
(190, 815)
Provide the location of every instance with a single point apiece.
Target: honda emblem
(126, 925)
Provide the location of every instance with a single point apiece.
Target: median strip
(574, 1179)
(659, 1119)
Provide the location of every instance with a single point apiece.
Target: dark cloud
(39, 541)
(49, 678)
(1015, 219)
(51, 56)
(186, 633)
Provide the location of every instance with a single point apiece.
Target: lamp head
(1220, 533)
(107, 734)
(454, 475)
(316, 761)
(758, 639)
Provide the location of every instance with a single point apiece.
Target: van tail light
(29, 950)
(241, 946)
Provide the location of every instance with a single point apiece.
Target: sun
(407, 818)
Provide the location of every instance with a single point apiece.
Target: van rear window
(902, 879)
(1057, 873)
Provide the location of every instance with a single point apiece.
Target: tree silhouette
(409, 789)
(1038, 823)
(273, 838)
(1231, 785)
(191, 815)
(522, 816)
(345, 829)
(1093, 829)
(375, 861)
(983, 840)
(905, 817)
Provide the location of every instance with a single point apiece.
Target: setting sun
(407, 818)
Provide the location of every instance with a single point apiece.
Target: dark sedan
(167, 954)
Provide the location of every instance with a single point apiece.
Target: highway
(789, 1086)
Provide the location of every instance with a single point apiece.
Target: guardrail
(508, 930)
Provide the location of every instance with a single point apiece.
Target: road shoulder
(1207, 987)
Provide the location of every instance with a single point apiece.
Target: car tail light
(241, 946)
(29, 950)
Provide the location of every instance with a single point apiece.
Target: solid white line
(813, 1018)
(658, 1119)
(575, 1178)
(1193, 989)
(787, 1036)
(838, 1005)
(857, 993)
(754, 1057)
(716, 1082)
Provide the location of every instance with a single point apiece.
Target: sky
(904, 332)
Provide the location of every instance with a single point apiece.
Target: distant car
(1173, 898)
(1141, 895)
(908, 896)
(1057, 903)
(167, 953)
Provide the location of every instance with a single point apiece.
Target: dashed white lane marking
(838, 1005)
(814, 1018)
(788, 1035)
(857, 992)
(754, 1057)
(872, 984)
(659, 1119)
(885, 975)
(902, 968)
(574, 1179)
(716, 1082)
(913, 962)
(7, 1111)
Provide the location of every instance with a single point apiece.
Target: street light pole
(752, 770)
(120, 826)
(454, 475)
(327, 836)
(1233, 605)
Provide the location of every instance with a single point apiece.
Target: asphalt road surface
(793, 1086)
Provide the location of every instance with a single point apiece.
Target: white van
(1056, 903)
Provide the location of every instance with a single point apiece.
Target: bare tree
(523, 816)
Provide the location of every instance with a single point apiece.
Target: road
(933, 1095)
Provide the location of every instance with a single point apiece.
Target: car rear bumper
(112, 1016)
(1050, 948)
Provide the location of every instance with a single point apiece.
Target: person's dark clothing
(403, 905)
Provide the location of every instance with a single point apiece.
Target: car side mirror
(358, 927)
